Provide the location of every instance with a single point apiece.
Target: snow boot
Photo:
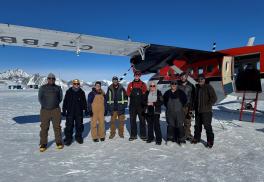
(59, 146)
(43, 147)
(79, 140)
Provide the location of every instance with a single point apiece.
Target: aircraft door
(227, 77)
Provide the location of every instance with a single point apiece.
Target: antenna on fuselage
(214, 47)
(251, 41)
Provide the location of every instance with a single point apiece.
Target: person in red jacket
(135, 91)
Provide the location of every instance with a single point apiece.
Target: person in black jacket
(116, 105)
(174, 100)
(153, 102)
(74, 104)
(205, 98)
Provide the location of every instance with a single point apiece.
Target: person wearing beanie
(97, 108)
(174, 101)
(116, 105)
(50, 97)
(74, 107)
(135, 91)
(205, 98)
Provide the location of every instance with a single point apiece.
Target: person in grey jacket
(174, 100)
(50, 97)
(189, 90)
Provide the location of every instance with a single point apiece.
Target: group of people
(182, 101)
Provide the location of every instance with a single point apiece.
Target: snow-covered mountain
(18, 76)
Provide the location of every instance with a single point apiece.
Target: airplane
(236, 71)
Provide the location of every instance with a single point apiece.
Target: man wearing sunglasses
(50, 97)
(205, 98)
(74, 106)
(174, 100)
(116, 105)
(136, 90)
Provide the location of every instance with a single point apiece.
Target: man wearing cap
(189, 91)
(205, 98)
(136, 90)
(97, 108)
(50, 97)
(116, 105)
(74, 106)
(174, 100)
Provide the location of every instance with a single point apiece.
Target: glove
(64, 114)
(86, 113)
(105, 114)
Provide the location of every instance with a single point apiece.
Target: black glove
(86, 113)
(64, 114)
(105, 113)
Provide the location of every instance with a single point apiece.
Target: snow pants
(134, 112)
(72, 121)
(46, 116)
(206, 120)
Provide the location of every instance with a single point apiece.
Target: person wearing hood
(153, 102)
(135, 91)
(174, 100)
(97, 108)
(205, 98)
(74, 107)
(50, 97)
(116, 105)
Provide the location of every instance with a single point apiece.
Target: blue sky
(192, 24)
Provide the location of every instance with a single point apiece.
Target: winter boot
(43, 147)
(95, 140)
(102, 139)
(67, 142)
(59, 146)
(79, 140)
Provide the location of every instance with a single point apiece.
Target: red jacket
(136, 84)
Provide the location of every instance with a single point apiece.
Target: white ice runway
(238, 153)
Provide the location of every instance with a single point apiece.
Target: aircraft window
(227, 65)
(258, 66)
(200, 70)
(209, 68)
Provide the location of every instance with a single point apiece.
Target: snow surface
(238, 153)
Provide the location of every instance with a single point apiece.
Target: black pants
(175, 129)
(206, 120)
(154, 124)
(134, 112)
(70, 122)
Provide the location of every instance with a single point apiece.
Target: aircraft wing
(13, 35)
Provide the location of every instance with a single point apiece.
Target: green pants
(46, 116)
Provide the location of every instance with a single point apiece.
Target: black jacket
(177, 94)
(74, 102)
(205, 98)
(157, 105)
(116, 99)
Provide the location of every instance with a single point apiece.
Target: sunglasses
(201, 79)
(51, 78)
(152, 85)
(174, 84)
(137, 75)
(76, 84)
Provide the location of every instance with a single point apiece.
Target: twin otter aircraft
(236, 71)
